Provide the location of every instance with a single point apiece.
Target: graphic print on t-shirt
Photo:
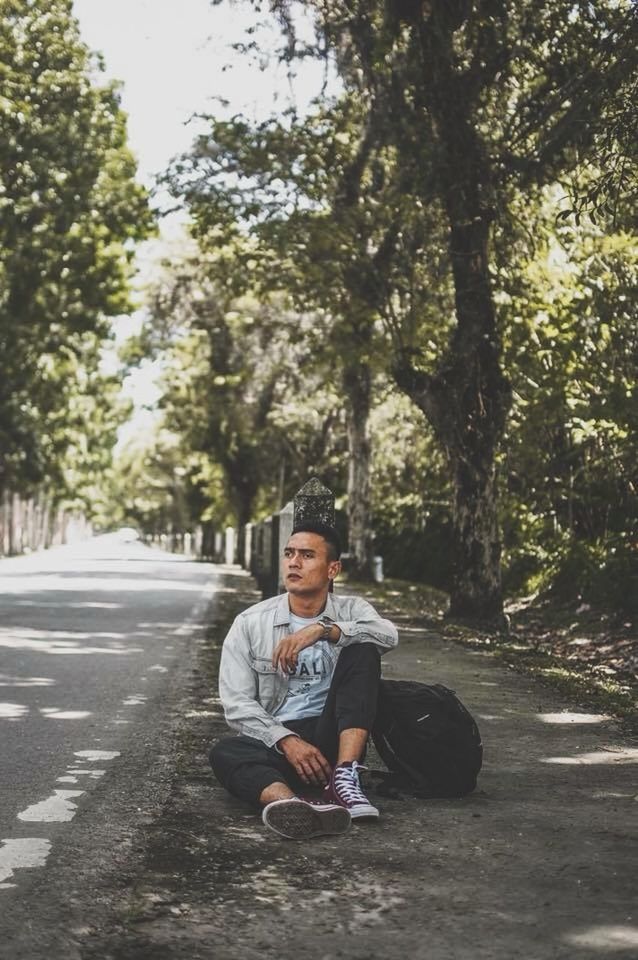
(309, 683)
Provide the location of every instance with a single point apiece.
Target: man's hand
(309, 762)
(287, 650)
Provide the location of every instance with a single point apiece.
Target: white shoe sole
(297, 820)
(364, 811)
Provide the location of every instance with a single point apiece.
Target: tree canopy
(421, 288)
(394, 205)
(71, 212)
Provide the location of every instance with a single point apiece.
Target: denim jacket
(251, 689)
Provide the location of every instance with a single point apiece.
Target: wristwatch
(327, 628)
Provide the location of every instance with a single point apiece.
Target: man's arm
(238, 686)
(288, 649)
(309, 762)
(366, 626)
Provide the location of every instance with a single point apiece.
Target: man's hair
(328, 533)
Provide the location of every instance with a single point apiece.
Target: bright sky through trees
(174, 58)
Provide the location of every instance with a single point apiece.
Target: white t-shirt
(308, 685)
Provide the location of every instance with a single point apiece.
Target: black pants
(246, 766)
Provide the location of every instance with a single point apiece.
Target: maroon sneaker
(344, 788)
(299, 819)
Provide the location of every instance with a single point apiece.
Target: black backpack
(427, 739)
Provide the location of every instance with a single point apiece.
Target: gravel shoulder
(538, 863)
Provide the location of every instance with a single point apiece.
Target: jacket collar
(282, 610)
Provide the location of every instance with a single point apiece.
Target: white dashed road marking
(94, 774)
(29, 852)
(60, 807)
(18, 854)
(54, 713)
(12, 711)
(56, 809)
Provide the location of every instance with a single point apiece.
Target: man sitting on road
(299, 679)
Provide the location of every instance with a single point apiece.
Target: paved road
(159, 863)
(92, 638)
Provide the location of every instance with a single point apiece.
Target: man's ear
(334, 569)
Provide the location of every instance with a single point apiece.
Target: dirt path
(538, 863)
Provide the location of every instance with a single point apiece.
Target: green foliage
(241, 388)
(292, 186)
(329, 225)
(82, 426)
(602, 572)
(570, 502)
(70, 212)
(447, 111)
(411, 495)
(158, 487)
(400, 215)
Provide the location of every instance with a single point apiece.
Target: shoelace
(347, 784)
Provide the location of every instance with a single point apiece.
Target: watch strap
(327, 627)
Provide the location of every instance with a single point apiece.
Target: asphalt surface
(91, 638)
(159, 863)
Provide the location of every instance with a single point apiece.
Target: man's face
(306, 566)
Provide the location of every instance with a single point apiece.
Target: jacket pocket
(268, 681)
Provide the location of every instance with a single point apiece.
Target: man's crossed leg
(320, 752)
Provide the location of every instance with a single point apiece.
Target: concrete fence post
(314, 503)
(217, 546)
(254, 548)
(229, 546)
(247, 546)
(272, 577)
(286, 524)
(265, 556)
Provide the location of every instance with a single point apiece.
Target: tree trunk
(479, 397)
(476, 586)
(467, 403)
(468, 398)
(466, 408)
(357, 388)
(242, 496)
